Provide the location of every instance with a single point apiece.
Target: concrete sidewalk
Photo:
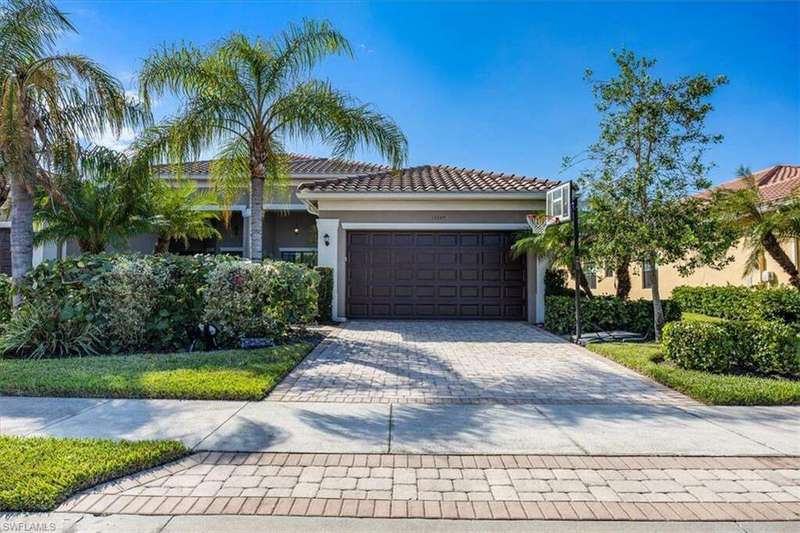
(84, 523)
(593, 429)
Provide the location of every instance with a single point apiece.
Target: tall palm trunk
(773, 248)
(256, 217)
(623, 276)
(21, 232)
(658, 309)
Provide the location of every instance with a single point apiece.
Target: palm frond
(315, 110)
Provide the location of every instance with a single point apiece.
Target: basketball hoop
(539, 223)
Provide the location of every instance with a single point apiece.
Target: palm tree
(555, 243)
(47, 99)
(760, 226)
(101, 201)
(245, 98)
(181, 213)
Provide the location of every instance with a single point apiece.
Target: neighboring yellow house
(776, 183)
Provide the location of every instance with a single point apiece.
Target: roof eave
(447, 195)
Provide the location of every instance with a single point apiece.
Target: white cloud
(119, 143)
(366, 48)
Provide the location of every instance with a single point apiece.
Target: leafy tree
(47, 99)
(246, 98)
(181, 213)
(100, 201)
(760, 226)
(648, 158)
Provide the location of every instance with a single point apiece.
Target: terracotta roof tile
(431, 178)
(299, 164)
(775, 183)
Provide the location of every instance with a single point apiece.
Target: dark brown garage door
(409, 274)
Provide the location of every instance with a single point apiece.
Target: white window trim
(284, 207)
(466, 226)
(298, 249)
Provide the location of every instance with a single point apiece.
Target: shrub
(5, 300)
(293, 296)
(134, 302)
(126, 299)
(179, 309)
(742, 303)
(605, 313)
(733, 347)
(246, 299)
(555, 283)
(39, 330)
(325, 294)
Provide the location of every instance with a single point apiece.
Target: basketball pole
(576, 262)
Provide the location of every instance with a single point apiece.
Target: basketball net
(539, 223)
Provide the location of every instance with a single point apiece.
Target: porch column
(246, 232)
(541, 266)
(328, 256)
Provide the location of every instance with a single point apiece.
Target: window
(591, 275)
(306, 257)
(647, 275)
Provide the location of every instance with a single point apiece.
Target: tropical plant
(648, 158)
(99, 201)
(760, 226)
(47, 99)
(248, 97)
(556, 245)
(180, 212)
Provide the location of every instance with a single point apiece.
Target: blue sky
(499, 86)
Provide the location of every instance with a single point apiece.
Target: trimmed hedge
(733, 347)
(742, 303)
(605, 313)
(325, 292)
(124, 303)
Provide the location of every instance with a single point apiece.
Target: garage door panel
(448, 291)
(470, 275)
(465, 275)
(447, 310)
(469, 292)
(403, 275)
(447, 274)
(447, 239)
(425, 310)
(426, 275)
(490, 274)
(425, 239)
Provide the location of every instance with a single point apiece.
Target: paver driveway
(461, 362)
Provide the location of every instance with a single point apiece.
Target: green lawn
(713, 389)
(39, 473)
(223, 375)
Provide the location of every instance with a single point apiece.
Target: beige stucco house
(776, 184)
(430, 241)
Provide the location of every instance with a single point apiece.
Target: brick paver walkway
(459, 486)
(461, 362)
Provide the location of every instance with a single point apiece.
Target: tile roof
(775, 183)
(299, 164)
(431, 178)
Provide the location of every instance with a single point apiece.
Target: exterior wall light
(326, 239)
